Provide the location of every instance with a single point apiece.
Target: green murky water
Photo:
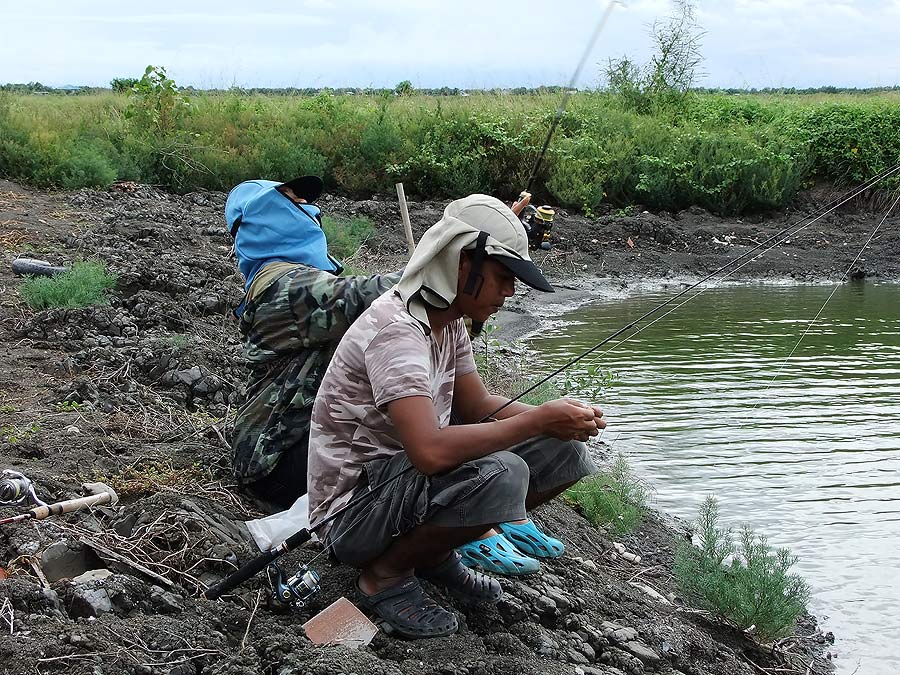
(805, 449)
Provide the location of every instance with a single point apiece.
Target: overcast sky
(458, 43)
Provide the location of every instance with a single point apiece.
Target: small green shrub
(83, 285)
(747, 584)
(346, 236)
(179, 341)
(614, 498)
(122, 85)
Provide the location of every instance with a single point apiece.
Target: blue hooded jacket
(273, 229)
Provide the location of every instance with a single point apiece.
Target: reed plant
(613, 498)
(746, 582)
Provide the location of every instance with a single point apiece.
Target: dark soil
(139, 394)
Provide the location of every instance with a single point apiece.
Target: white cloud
(464, 43)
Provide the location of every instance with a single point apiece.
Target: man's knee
(511, 477)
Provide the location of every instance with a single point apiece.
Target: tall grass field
(728, 153)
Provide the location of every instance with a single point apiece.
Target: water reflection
(807, 450)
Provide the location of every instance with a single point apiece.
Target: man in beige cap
(385, 405)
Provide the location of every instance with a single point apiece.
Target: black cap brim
(526, 271)
(305, 187)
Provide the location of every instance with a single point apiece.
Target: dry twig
(7, 614)
(250, 621)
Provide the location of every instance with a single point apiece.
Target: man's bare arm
(472, 402)
(434, 450)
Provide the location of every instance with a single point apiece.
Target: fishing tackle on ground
(106, 496)
(16, 488)
(538, 221)
(294, 591)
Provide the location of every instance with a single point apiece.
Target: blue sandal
(496, 554)
(530, 540)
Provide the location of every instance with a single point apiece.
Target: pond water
(806, 449)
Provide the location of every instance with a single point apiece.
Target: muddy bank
(140, 394)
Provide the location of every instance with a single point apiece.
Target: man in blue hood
(294, 313)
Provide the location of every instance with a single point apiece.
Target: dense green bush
(849, 143)
(746, 584)
(729, 154)
(83, 285)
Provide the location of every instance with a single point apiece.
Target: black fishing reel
(16, 488)
(538, 221)
(295, 591)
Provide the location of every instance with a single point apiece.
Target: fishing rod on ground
(16, 489)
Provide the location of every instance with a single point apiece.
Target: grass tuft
(346, 236)
(82, 286)
(614, 498)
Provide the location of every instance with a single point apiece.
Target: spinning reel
(16, 488)
(295, 591)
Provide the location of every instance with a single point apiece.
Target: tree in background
(123, 85)
(404, 88)
(672, 71)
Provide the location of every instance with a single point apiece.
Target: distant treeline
(125, 84)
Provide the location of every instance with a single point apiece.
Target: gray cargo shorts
(483, 491)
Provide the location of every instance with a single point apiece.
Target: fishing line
(754, 259)
(822, 308)
(778, 238)
(640, 330)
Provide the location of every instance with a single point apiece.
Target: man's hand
(521, 203)
(570, 420)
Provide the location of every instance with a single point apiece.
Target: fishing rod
(304, 583)
(67, 506)
(299, 587)
(568, 92)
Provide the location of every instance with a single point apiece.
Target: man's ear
(464, 264)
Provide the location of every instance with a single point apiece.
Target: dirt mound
(140, 394)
